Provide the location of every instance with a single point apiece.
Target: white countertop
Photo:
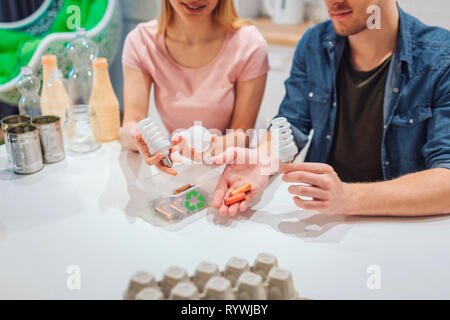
(87, 211)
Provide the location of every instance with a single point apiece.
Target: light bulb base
(167, 162)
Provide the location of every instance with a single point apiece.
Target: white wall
(133, 12)
(431, 12)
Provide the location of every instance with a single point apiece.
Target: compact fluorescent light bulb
(281, 129)
(155, 140)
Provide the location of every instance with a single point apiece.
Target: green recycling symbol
(191, 196)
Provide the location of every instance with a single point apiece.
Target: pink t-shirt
(184, 95)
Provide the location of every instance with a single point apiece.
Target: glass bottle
(28, 85)
(49, 63)
(58, 100)
(104, 102)
(82, 51)
(82, 129)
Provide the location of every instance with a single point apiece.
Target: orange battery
(233, 199)
(242, 189)
(184, 188)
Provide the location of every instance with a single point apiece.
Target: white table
(86, 211)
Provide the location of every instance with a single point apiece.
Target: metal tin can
(25, 148)
(8, 122)
(51, 138)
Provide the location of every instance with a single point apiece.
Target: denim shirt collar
(404, 49)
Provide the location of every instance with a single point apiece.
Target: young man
(378, 100)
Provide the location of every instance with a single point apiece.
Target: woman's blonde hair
(224, 14)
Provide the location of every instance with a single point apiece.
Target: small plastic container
(177, 197)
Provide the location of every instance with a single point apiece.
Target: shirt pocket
(408, 132)
(319, 100)
(414, 117)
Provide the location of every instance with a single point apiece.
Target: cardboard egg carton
(238, 281)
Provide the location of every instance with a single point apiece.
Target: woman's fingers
(195, 156)
(153, 160)
(163, 168)
(140, 144)
(175, 158)
(177, 139)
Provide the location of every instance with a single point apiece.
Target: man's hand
(244, 166)
(329, 195)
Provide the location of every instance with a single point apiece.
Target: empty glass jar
(81, 134)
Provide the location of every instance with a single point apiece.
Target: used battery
(242, 189)
(234, 199)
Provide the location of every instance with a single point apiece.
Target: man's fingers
(312, 192)
(313, 179)
(240, 206)
(312, 167)
(233, 209)
(243, 205)
(219, 193)
(223, 210)
(223, 191)
(311, 204)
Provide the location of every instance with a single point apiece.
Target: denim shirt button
(330, 44)
(328, 137)
(411, 121)
(396, 90)
(334, 104)
(311, 94)
(385, 127)
(386, 163)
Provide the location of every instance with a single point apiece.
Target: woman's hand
(149, 159)
(181, 146)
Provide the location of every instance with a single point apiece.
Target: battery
(242, 189)
(234, 199)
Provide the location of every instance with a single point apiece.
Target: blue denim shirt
(416, 107)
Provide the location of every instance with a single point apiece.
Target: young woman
(205, 64)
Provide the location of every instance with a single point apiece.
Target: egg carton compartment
(238, 281)
(177, 197)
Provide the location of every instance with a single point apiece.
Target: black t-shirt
(356, 151)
